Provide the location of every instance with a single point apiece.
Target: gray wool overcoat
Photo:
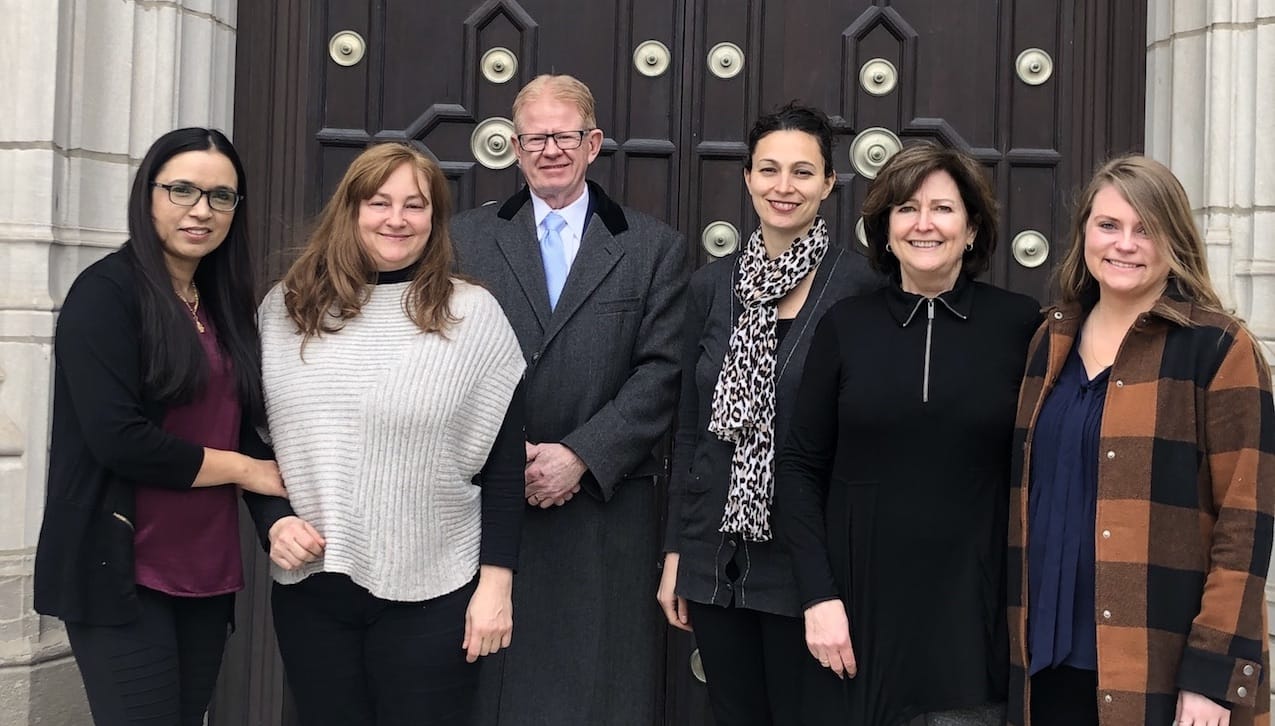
(602, 378)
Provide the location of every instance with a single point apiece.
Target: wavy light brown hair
(1162, 205)
(899, 179)
(330, 281)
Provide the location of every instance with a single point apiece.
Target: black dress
(891, 494)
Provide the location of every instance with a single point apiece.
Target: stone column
(1209, 118)
(88, 86)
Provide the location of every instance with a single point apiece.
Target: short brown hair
(899, 179)
(328, 283)
(567, 89)
(1162, 204)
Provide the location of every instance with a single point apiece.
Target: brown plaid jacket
(1186, 493)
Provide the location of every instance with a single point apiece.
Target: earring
(969, 247)
(887, 248)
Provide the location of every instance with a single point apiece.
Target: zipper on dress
(929, 331)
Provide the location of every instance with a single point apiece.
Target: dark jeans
(752, 662)
(158, 670)
(1064, 697)
(353, 659)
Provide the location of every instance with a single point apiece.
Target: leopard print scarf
(744, 398)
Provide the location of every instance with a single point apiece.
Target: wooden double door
(1037, 90)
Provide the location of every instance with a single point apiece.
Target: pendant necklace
(192, 306)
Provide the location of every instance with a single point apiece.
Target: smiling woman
(748, 329)
(156, 392)
(889, 493)
(391, 387)
(1146, 409)
(395, 222)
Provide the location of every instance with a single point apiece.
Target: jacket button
(1248, 670)
(1057, 315)
(1106, 534)
(1119, 384)
(1106, 614)
(535, 356)
(1111, 454)
(1107, 698)
(1242, 692)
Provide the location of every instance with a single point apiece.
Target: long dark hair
(173, 363)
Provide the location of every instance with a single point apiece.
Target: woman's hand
(1197, 710)
(673, 605)
(489, 620)
(293, 543)
(261, 476)
(828, 637)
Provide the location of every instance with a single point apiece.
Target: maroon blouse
(187, 542)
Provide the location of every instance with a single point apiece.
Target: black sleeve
(503, 486)
(687, 434)
(97, 351)
(265, 510)
(804, 468)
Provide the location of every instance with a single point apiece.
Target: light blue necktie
(554, 256)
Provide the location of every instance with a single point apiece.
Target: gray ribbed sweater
(379, 431)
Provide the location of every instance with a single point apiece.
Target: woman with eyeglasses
(157, 390)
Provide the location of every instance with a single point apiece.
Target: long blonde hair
(329, 282)
(1162, 205)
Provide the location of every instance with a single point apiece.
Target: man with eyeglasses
(594, 293)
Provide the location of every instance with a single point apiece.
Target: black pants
(158, 670)
(353, 659)
(752, 662)
(1064, 697)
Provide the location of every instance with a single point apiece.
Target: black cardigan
(107, 437)
(702, 462)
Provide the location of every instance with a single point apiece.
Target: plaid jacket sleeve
(1224, 649)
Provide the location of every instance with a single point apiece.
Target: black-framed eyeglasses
(188, 195)
(564, 140)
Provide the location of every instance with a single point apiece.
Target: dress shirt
(575, 214)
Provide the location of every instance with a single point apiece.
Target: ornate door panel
(678, 84)
(445, 75)
(994, 78)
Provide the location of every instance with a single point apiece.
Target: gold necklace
(193, 307)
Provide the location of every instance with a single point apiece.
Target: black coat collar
(611, 214)
(904, 305)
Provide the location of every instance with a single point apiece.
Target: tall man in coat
(594, 293)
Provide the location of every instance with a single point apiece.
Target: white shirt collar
(575, 216)
(574, 213)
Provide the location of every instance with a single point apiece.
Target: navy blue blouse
(1060, 526)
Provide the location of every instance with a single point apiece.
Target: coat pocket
(697, 484)
(618, 305)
